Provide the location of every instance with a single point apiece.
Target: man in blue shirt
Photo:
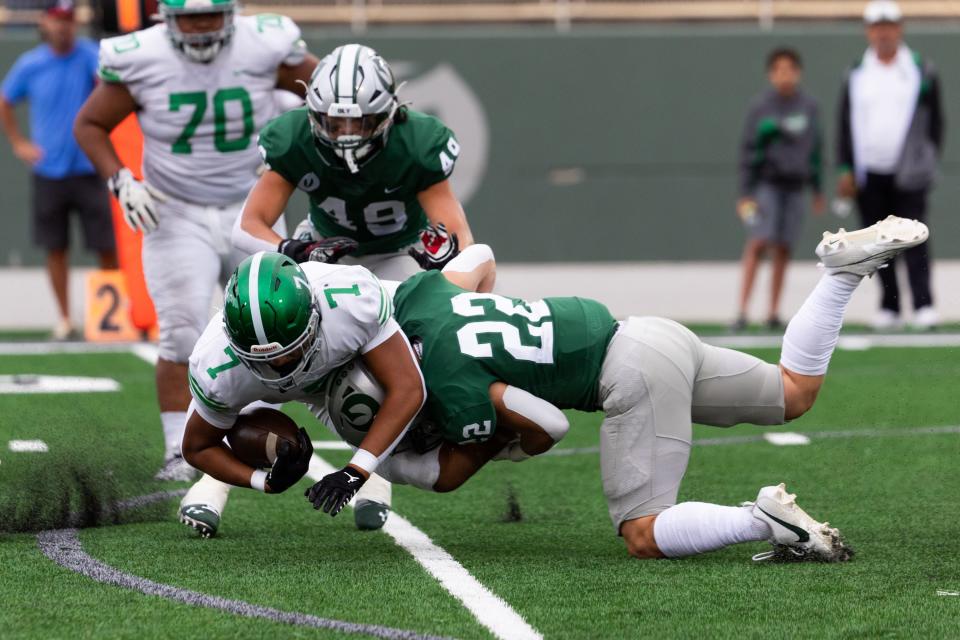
(55, 78)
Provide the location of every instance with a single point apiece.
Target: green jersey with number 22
(378, 206)
(553, 348)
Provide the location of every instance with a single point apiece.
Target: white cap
(882, 11)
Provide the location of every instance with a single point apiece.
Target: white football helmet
(351, 102)
(353, 398)
(198, 47)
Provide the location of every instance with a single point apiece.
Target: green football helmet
(271, 319)
(198, 47)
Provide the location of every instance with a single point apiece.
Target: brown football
(258, 436)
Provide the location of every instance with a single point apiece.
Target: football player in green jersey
(485, 357)
(376, 172)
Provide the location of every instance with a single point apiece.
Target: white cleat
(796, 536)
(864, 251)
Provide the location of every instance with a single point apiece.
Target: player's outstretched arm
(442, 207)
(204, 449)
(105, 108)
(394, 366)
(253, 230)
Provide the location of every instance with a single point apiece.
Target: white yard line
(331, 445)
(146, 351)
(489, 610)
(32, 383)
(785, 438)
(28, 446)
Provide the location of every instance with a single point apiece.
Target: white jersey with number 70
(200, 121)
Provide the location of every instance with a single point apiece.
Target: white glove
(136, 198)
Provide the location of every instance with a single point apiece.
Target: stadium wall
(611, 143)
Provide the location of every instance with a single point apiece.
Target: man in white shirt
(890, 140)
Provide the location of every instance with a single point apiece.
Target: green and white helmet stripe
(271, 320)
(254, 294)
(348, 63)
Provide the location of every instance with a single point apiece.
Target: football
(258, 436)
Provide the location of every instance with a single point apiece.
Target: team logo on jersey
(309, 182)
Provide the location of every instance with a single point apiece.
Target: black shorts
(54, 199)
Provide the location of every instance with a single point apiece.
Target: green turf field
(889, 487)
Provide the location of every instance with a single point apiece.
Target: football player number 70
(197, 100)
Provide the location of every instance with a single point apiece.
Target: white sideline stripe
(813, 435)
(948, 593)
(853, 342)
(849, 341)
(785, 438)
(489, 610)
(32, 383)
(331, 445)
(28, 446)
(146, 351)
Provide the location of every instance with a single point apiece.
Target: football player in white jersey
(284, 328)
(202, 85)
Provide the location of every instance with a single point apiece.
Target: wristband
(258, 480)
(365, 460)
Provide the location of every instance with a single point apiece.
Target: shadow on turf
(64, 493)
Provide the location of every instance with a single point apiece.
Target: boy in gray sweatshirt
(779, 157)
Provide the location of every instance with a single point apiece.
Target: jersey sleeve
(464, 417)
(438, 154)
(281, 37)
(121, 59)
(210, 377)
(277, 144)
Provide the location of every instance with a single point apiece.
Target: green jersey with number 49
(200, 121)
(553, 348)
(377, 206)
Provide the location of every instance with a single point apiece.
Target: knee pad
(177, 339)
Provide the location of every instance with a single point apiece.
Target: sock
(209, 491)
(812, 334)
(422, 470)
(376, 489)
(174, 423)
(690, 528)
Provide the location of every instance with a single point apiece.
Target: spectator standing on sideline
(890, 140)
(55, 78)
(780, 155)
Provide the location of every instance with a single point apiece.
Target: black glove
(291, 464)
(439, 248)
(334, 491)
(328, 250)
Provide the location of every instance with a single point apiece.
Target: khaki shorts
(657, 380)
